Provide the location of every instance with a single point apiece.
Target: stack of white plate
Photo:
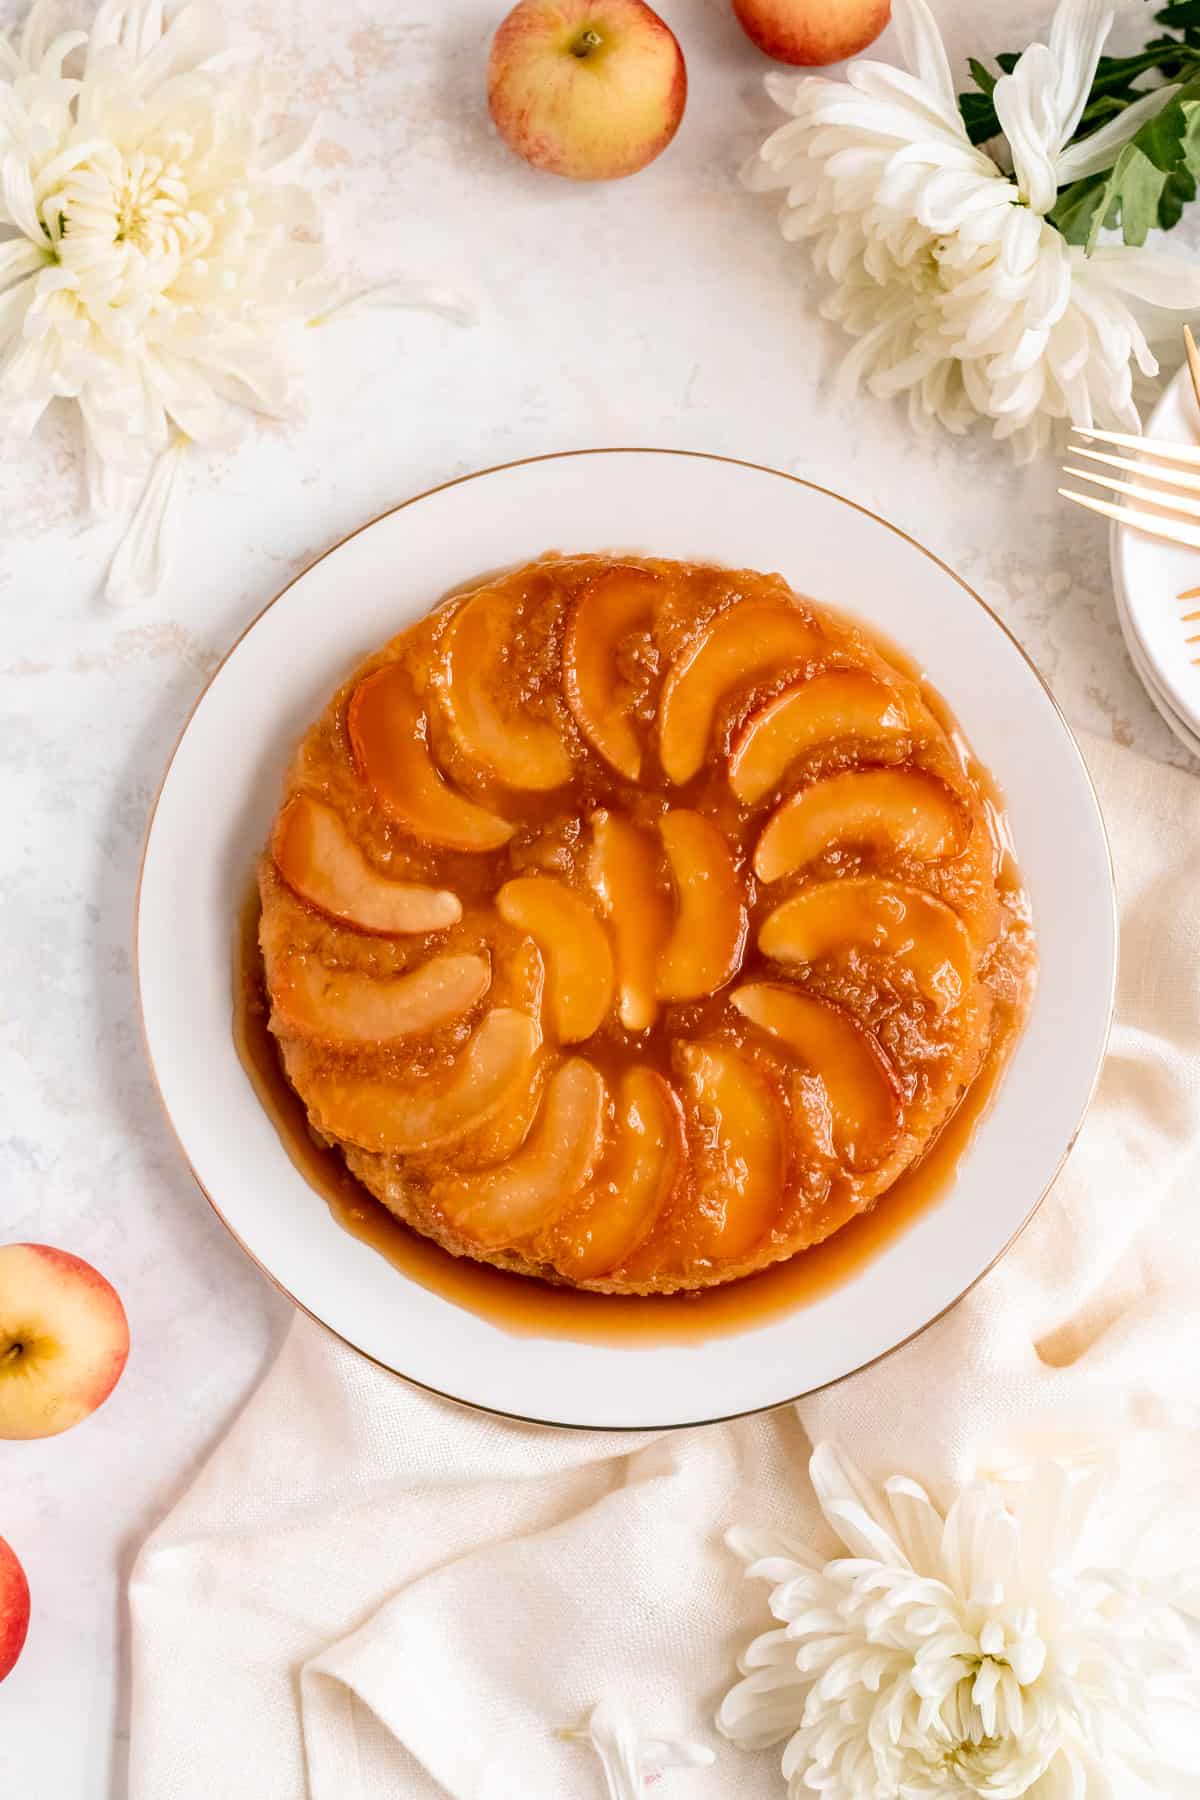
(1150, 577)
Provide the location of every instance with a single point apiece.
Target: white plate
(1162, 702)
(221, 791)
(1150, 575)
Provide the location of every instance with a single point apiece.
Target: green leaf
(1179, 14)
(978, 113)
(981, 76)
(1137, 192)
(1143, 189)
(1076, 206)
(979, 117)
(1179, 191)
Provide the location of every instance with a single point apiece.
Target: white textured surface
(660, 311)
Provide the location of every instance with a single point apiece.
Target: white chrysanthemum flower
(945, 268)
(157, 266)
(983, 1654)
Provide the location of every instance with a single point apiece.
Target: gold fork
(1175, 468)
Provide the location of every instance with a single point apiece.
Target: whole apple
(14, 1609)
(64, 1339)
(590, 89)
(812, 32)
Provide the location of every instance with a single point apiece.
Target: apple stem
(587, 41)
(13, 1353)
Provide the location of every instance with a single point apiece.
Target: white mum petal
(140, 564)
(918, 1523)
(287, 147)
(35, 34)
(773, 1649)
(1100, 149)
(881, 82)
(1077, 36)
(1155, 277)
(16, 191)
(421, 296)
(922, 49)
(59, 49)
(1025, 107)
(110, 490)
(852, 1505)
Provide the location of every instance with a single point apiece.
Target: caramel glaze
(935, 1061)
(534, 1308)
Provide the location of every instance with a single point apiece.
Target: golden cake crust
(634, 924)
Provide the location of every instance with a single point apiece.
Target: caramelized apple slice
(501, 1136)
(624, 871)
(320, 861)
(579, 965)
(831, 708)
(396, 1117)
(500, 1206)
(900, 921)
(389, 735)
(860, 1108)
(741, 1148)
(524, 749)
(705, 945)
(610, 609)
(645, 1162)
(752, 642)
(343, 1006)
(901, 810)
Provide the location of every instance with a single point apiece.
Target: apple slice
(343, 1006)
(706, 941)
(900, 810)
(521, 747)
(831, 708)
(574, 944)
(609, 612)
(393, 1118)
(741, 1149)
(389, 735)
(632, 1188)
(624, 871)
(755, 641)
(860, 1109)
(887, 916)
(501, 1136)
(501, 1206)
(320, 861)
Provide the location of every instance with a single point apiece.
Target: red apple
(14, 1609)
(811, 32)
(591, 89)
(64, 1339)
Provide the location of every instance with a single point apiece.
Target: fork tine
(1137, 491)
(1188, 535)
(1193, 360)
(1173, 477)
(1184, 453)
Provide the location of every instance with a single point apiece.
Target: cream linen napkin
(371, 1593)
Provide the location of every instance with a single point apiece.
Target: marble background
(664, 311)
